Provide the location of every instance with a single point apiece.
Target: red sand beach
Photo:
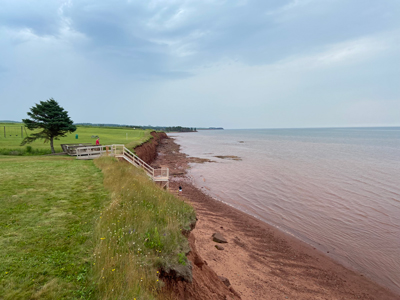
(260, 261)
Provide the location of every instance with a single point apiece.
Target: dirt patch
(259, 261)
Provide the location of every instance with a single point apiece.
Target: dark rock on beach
(225, 280)
(218, 238)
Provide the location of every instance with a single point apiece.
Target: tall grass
(137, 235)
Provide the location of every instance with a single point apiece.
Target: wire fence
(13, 132)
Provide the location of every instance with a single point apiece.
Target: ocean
(337, 189)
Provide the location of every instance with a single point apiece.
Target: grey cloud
(176, 36)
(211, 60)
(42, 17)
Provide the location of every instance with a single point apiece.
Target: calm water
(337, 189)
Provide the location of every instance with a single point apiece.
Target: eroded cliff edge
(148, 150)
(205, 283)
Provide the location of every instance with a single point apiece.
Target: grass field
(72, 229)
(108, 135)
(48, 210)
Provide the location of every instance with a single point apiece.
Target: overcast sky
(229, 63)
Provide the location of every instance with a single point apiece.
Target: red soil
(148, 151)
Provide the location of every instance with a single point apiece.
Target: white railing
(91, 152)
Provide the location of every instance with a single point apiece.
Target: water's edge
(210, 186)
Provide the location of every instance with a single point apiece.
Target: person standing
(97, 142)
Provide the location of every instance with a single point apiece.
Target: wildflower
(113, 270)
(94, 264)
(102, 238)
(158, 272)
(6, 272)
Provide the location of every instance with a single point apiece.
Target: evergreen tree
(52, 119)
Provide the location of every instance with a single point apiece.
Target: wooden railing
(91, 152)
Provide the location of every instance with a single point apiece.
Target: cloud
(294, 4)
(159, 38)
(266, 58)
(346, 53)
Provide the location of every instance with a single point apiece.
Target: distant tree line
(180, 129)
(108, 125)
(158, 128)
(211, 128)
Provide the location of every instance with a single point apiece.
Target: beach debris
(219, 238)
(225, 280)
(219, 247)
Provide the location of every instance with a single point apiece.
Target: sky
(202, 63)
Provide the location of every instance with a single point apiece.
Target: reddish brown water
(337, 189)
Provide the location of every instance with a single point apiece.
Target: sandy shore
(260, 261)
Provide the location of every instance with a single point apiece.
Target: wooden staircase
(160, 176)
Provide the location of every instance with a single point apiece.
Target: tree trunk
(51, 145)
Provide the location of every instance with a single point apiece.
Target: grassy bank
(72, 229)
(48, 210)
(10, 145)
(138, 234)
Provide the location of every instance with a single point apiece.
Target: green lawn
(108, 135)
(48, 211)
(75, 229)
